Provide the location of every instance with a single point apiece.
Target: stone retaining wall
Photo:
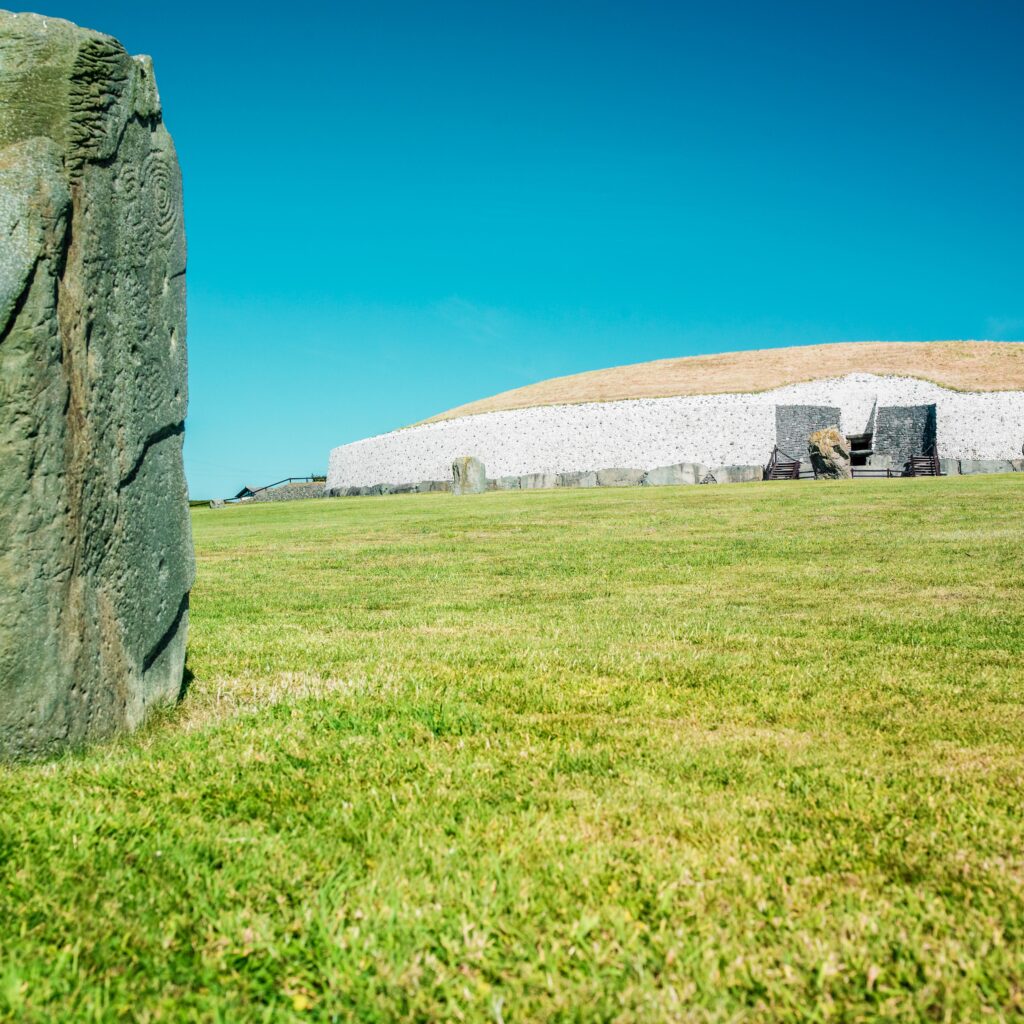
(794, 424)
(903, 431)
(292, 492)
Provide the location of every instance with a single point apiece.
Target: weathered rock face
(733, 474)
(830, 454)
(967, 467)
(468, 476)
(616, 477)
(680, 473)
(95, 544)
(538, 481)
(579, 478)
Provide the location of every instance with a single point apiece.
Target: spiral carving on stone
(162, 184)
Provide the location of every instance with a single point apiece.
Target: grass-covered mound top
(650, 754)
(960, 365)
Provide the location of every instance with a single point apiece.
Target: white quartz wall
(715, 430)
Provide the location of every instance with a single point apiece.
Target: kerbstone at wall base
(577, 479)
(737, 474)
(681, 473)
(972, 466)
(538, 481)
(377, 490)
(617, 477)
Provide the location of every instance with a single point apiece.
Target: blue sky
(394, 208)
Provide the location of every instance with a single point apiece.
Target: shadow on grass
(187, 678)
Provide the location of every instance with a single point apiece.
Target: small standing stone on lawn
(468, 476)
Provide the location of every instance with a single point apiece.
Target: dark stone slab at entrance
(903, 431)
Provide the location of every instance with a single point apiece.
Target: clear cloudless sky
(396, 207)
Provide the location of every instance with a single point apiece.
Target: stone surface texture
(967, 467)
(830, 454)
(469, 476)
(903, 431)
(682, 473)
(577, 479)
(617, 476)
(714, 430)
(538, 481)
(95, 545)
(795, 423)
(734, 474)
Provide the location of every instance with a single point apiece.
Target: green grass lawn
(702, 754)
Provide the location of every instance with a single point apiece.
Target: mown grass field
(690, 754)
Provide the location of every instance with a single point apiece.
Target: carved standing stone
(95, 544)
(830, 454)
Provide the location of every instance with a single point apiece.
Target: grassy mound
(706, 753)
(958, 365)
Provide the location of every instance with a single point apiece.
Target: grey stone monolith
(95, 544)
(830, 454)
(468, 476)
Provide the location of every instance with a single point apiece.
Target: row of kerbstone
(968, 467)
(681, 473)
(375, 490)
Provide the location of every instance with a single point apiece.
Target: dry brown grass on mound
(960, 365)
